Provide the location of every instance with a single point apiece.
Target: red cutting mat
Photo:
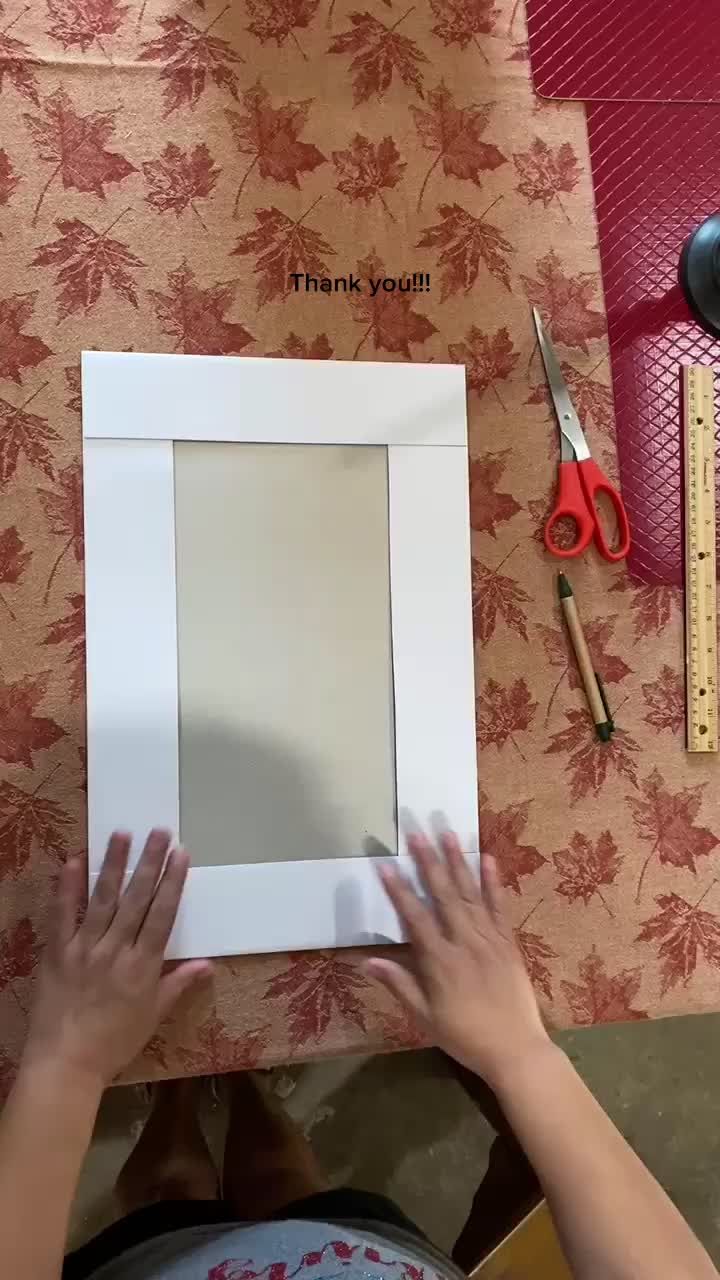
(656, 176)
(626, 50)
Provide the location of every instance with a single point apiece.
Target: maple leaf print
(75, 145)
(366, 169)
(454, 135)
(666, 820)
(535, 952)
(87, 260)
(283, 245)
(565, 301)
(295, 348)
(488, 507)
(497, 596)
(223, 1051)
(316, 988)
(269, 135)
(24, 434)
(684, 933)
(599, 997)
(462, 21)
(63, 508)
(16, 62)
(71, 629)
(546, 171)
(21, 731)
(29, 823)
(19, 350)
(560, 653)
(500, 836)
(77, 23)
(190, 56)
(380, 52)
(590, 760)
(583, 867)
(8, 178)
(14, 560)
(652, 606)
(389, 317)
(400, 1030)
(277, 19)
(488, 359)
(195, 317)
(592, 399)
(665, 698)
(19, 953)
(179, 178)
(465, 242)
(72, 378)
(501, 712)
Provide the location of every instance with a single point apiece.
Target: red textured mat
(656, 176)
(626, 50)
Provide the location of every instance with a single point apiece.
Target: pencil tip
(564, 588)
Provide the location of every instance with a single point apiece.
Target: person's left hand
(101, 990)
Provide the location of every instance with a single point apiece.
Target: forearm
(45, 1130)
(613, 1218)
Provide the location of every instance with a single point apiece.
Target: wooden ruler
(701, 692)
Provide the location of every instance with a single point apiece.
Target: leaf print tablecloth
(164, 166)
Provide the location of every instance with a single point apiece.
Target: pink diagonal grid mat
(626, 50)
(656, 177)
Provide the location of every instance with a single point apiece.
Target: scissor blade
(573, 439)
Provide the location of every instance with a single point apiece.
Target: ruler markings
(700, 559)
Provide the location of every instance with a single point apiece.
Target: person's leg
(268, 1162)
(170, 1160)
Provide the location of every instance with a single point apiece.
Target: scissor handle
(570, 504)
(594, 482)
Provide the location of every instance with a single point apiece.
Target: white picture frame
(135, 406)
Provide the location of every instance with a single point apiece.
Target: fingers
(157, 925)
(491, 891)
(467, 884)
(135, 901)
(435, 876)
(177, 981)
(69, 898)
(108, 887)
(418, 921)
(401, 984)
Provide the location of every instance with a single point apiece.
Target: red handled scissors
(580, 480)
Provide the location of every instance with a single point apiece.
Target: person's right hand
(469, 988)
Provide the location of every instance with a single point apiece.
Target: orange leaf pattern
(399, 139)
(391, 318)
(684, 933)
(365, 169)
(599, 997)
(282, 245)
(74, 145)
(380, 52)
(269, 135)
(465, 241)
(87, 260)
(195, 317)
(179, 178)
(454, 135)
(18, 350)
(566, 301)
(500, 834)
(189, 57)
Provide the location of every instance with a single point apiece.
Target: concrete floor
(422, 1142)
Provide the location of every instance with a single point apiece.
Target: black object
(700, 273)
